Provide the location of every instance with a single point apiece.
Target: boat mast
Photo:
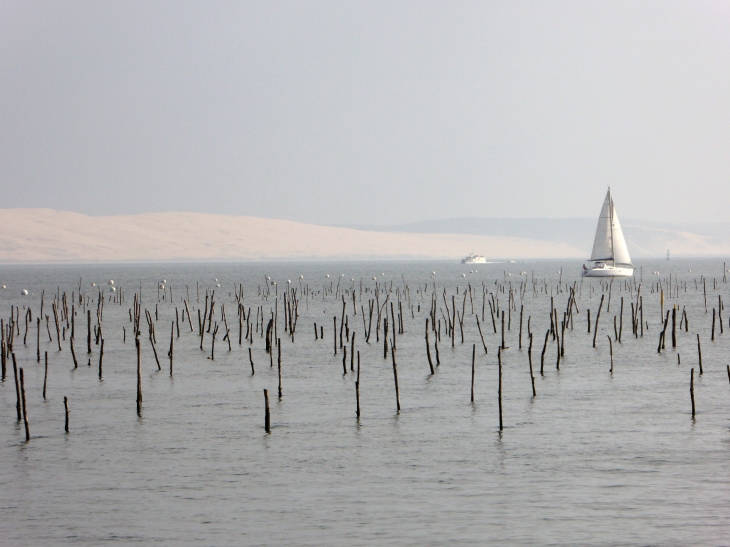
(610, 204)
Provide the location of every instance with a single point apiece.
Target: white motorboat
(474, 259)
(610, 256)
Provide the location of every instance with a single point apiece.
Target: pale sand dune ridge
(45, 235)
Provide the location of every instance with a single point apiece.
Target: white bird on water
(24, 292)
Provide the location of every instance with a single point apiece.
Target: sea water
(596, 458)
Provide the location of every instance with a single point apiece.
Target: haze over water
(595, 458)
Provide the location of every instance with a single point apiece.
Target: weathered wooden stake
(25, 408)
(428, 349)
(278, 360)
(395, 377)
(17, 389)
(529, 357)
(357, 386)
(610, 347)
(473, 368)
(499, 392)
(101, 356)
(335, 332)
(139, 376)
(250, 358)
(542, 356)
(267, 416)
(699, 352)
(65, 405)
(692, 389)
(73, 353)
(598, 317)
(45, 378)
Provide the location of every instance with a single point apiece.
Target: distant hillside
(644, 238)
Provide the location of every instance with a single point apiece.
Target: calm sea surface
(594, 459)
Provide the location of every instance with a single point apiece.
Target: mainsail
(610, 244)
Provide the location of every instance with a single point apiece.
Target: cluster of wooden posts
(381, 305)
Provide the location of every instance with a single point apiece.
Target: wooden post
(499, 392)
(17, 389)
(357, 386)
(610, 347)
(395, 376)
(713, 324)
(522, 308)
(65, 405)
(352, 350)
(73, 353)
(699, 352)
(250, 358)
(674, 326)
(692, 389)
(503, 346)
(101, 356)
(25, 408)
(139, 376)
(598, 317)
(473, 364)
(589, 320)
(621, 321)
(88, 331)
(481, 335)
(544, 347)
(172, 345)
(335, 332)
(428, 349)
(278, 362)
(532, 376)
(45, 378)
(38, 340)
(267, 415)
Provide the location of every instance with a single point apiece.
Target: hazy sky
(367, 112)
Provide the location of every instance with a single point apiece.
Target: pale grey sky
(367, 112)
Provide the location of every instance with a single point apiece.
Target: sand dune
(45, 235)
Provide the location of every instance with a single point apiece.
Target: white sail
(602, 248)
(620, 251)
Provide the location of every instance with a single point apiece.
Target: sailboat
(610, 256)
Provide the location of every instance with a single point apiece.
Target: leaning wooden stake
(692, 389)
(428, 349)
(73, 353)
(395, 376)
(18, 406)
(267, 415)
(250, 358)
(25, 408)
(542, 356)
(598, 316)
(45, 378)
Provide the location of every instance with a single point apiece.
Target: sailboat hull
(608, 271)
